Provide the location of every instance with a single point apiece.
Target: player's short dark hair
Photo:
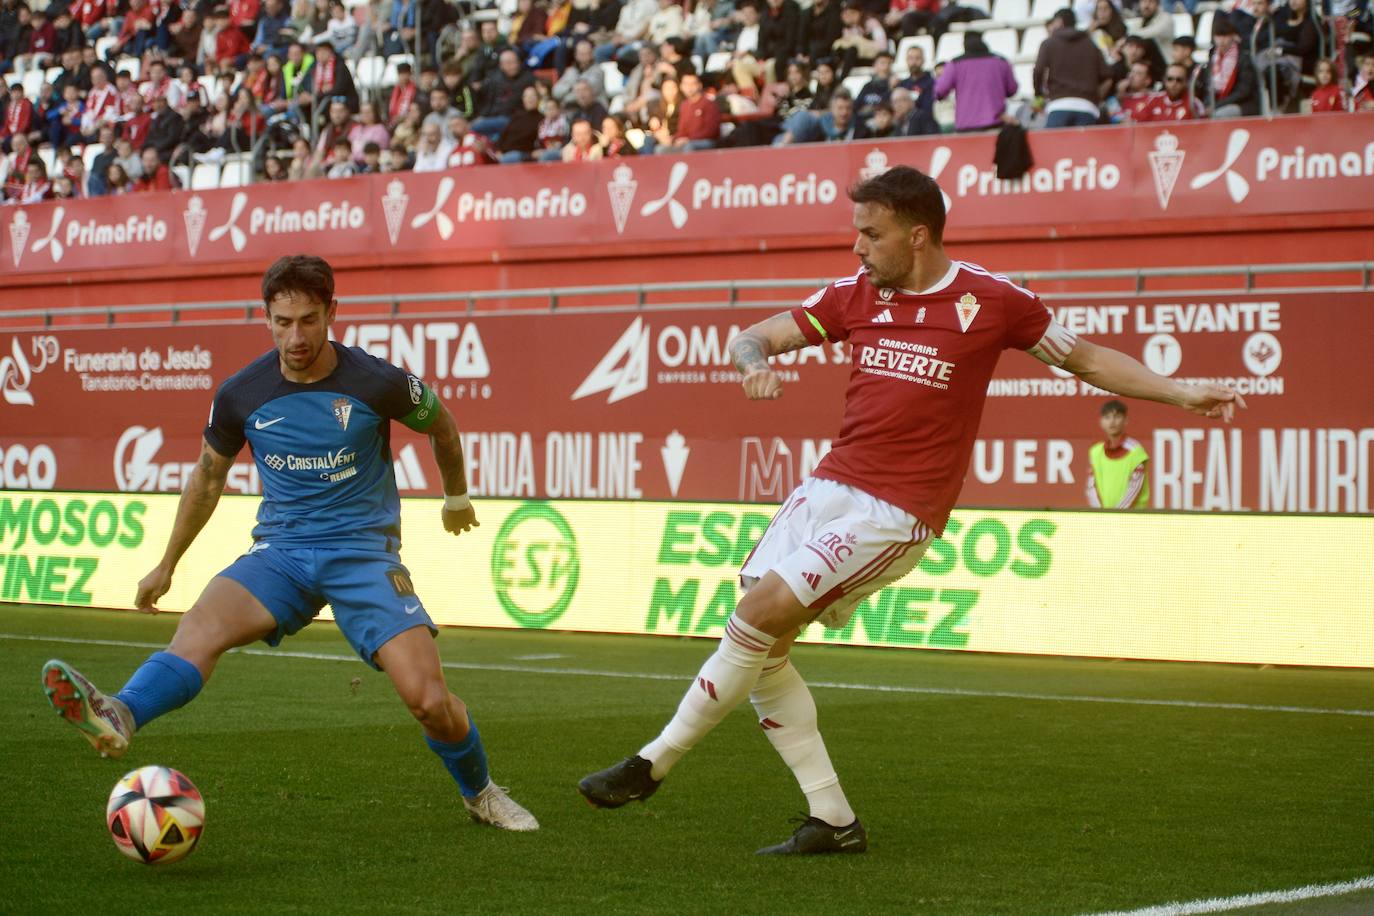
(299, 273)
(912, 195)
(1112, 406)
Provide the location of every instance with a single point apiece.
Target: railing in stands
(1348, 276)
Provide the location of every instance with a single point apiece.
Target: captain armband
(425, 404)
(1055, 345)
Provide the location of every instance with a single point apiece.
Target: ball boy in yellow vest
(1117, 471)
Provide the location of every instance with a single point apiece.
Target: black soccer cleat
(627, 781)
(815, 837)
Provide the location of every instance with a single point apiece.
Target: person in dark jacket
(1228, 81)
(520, 139)
(780, 31)
(500, 96)
(820, 29)
(1070, 73)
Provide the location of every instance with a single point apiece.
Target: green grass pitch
(978, 796)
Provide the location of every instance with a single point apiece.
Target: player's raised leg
(226, 615)
(411, 660)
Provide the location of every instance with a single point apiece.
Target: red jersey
(1328, 98)
(1134, 103)
(921, 365)
(1162, 108)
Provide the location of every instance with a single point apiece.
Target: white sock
(721, 685)
(788, 716)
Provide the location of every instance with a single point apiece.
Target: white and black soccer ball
(155, 815)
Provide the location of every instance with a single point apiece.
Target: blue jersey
(323, 449)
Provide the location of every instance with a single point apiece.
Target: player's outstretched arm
(1118, 373)
(751, 348)
(458, 513)
(198, 501)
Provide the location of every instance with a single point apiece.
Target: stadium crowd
(119, 96)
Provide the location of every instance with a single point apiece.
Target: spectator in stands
(339, 126)
(100, 165)
(1362, 92)
(273, 169)
(194, 138)
(1229, 75)
(639, 85)
(402, 95)
(1156, 25)
(42, 45)
(440, 109)
(1296, 36)
(231, 47)
(128, 158)
(582, 146)
(342, 29)
(21, 118)
(400, 37)
(1328, 95)
(73, 73)
(1070, 73)
(878, 89)
(36, 187)
(630, 28)
(826, 84)
(1107, 29)
(908, 17)
(459, 46)
(339, 163)
(583, 67)
(780, 25)
(838, 124)
(372, 160)
(1134, 94)
(698, 126)
(64, 119)
(673, 59)
(156, 176)
(17, 164)
(489, 50)
(520, 139)
(68, 30)
(584, 104)
(243, 15)
(663, 115)
(298, 64)
(166, 127)
(368, 129)
(952, 12)
(1176, 102)
(274, 31)
(880, 125)
(406, 134)
(1181, 53)
(301, 160)
(861, 37)
(820, 29)
(612, 140)
(981, 82)
(138, 123)
(528, 26)
(665, 23)
(553, 132)
(328, 78)
(779, 102)
(909, 117)
(397, 160)
(184, 36)
(99, 18)
(500, 95)
(80, 180)
(459, 93)
(720, 28)
(1131, 51)
(117, 181)
(137, 32)
(431, 153)
(469, 147)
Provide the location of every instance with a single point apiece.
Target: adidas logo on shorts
(812, 579)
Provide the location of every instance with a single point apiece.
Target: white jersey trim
(940, 285)
(1001, 278)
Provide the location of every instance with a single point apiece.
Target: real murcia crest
(194, 217)
(875, 164)
(19, 235)
(621, 187)
(967, 308)
(1166, 162)
(343, 409)
(394, 203)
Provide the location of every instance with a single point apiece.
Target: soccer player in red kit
(926, 333)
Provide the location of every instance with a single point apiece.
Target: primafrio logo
(1236, 185)
(790, 189)
(434, 214)
(325, 216)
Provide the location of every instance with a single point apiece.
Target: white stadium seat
(90, 152)
(1204, 30)
(33, 84)
(1044, 9)
(924, 42)
(1025, 89)
(238, 171)
(205, 177)
(1183, 24)
(131, 64)
(855, 84)
(612, 78)
(1010, 11)
(104, 44)
(47, 155)
(1031, 40)
(183, 174)
(370, 72)
(1002, 42)
(951, 46)
(718, 62)
(389, 77)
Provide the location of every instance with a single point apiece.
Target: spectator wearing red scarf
(402, 95)
(18, 167)
(137, 125)
(103, 104)
(139, 31)
(20, 118)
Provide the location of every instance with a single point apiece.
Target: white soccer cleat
(493, 806)
(103, 721)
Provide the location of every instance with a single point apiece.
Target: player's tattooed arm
(198, 500)
(751, 348)
(448, 453)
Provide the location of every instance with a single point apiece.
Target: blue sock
(161, 684)
(466, 760)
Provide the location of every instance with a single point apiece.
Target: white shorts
(833, 545)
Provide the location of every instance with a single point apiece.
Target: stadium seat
(612, 78)
(1031, 40)
(90, 152)
(131, 64)
(855, 84)
(48, 156)
(698, 63)
(50, 74)
(1204, 30)
(389, 77)
(238, 171)
(926, 44)
(33, 84)
(1044, 9)
(1002, 42)
(718, 62)
(370, 72)
(183, 174)
(1132, 24)
(1010, 12)
(1183, 24)
(205, 177)
(951, 46)
(103, 45)
(1025, 87)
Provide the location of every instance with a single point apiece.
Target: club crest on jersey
(343, 409)
(886, 293)
(967, 307)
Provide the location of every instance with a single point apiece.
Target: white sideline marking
(833, 685)
(544, 657)
(1222, 904)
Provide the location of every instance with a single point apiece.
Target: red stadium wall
(1253, 191)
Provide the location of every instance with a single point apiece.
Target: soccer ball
(155, 815)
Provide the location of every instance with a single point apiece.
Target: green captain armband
(816, 324)
(426, 406)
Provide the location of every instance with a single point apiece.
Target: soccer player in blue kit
(318, 416)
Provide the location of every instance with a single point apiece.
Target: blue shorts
(370, 591)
